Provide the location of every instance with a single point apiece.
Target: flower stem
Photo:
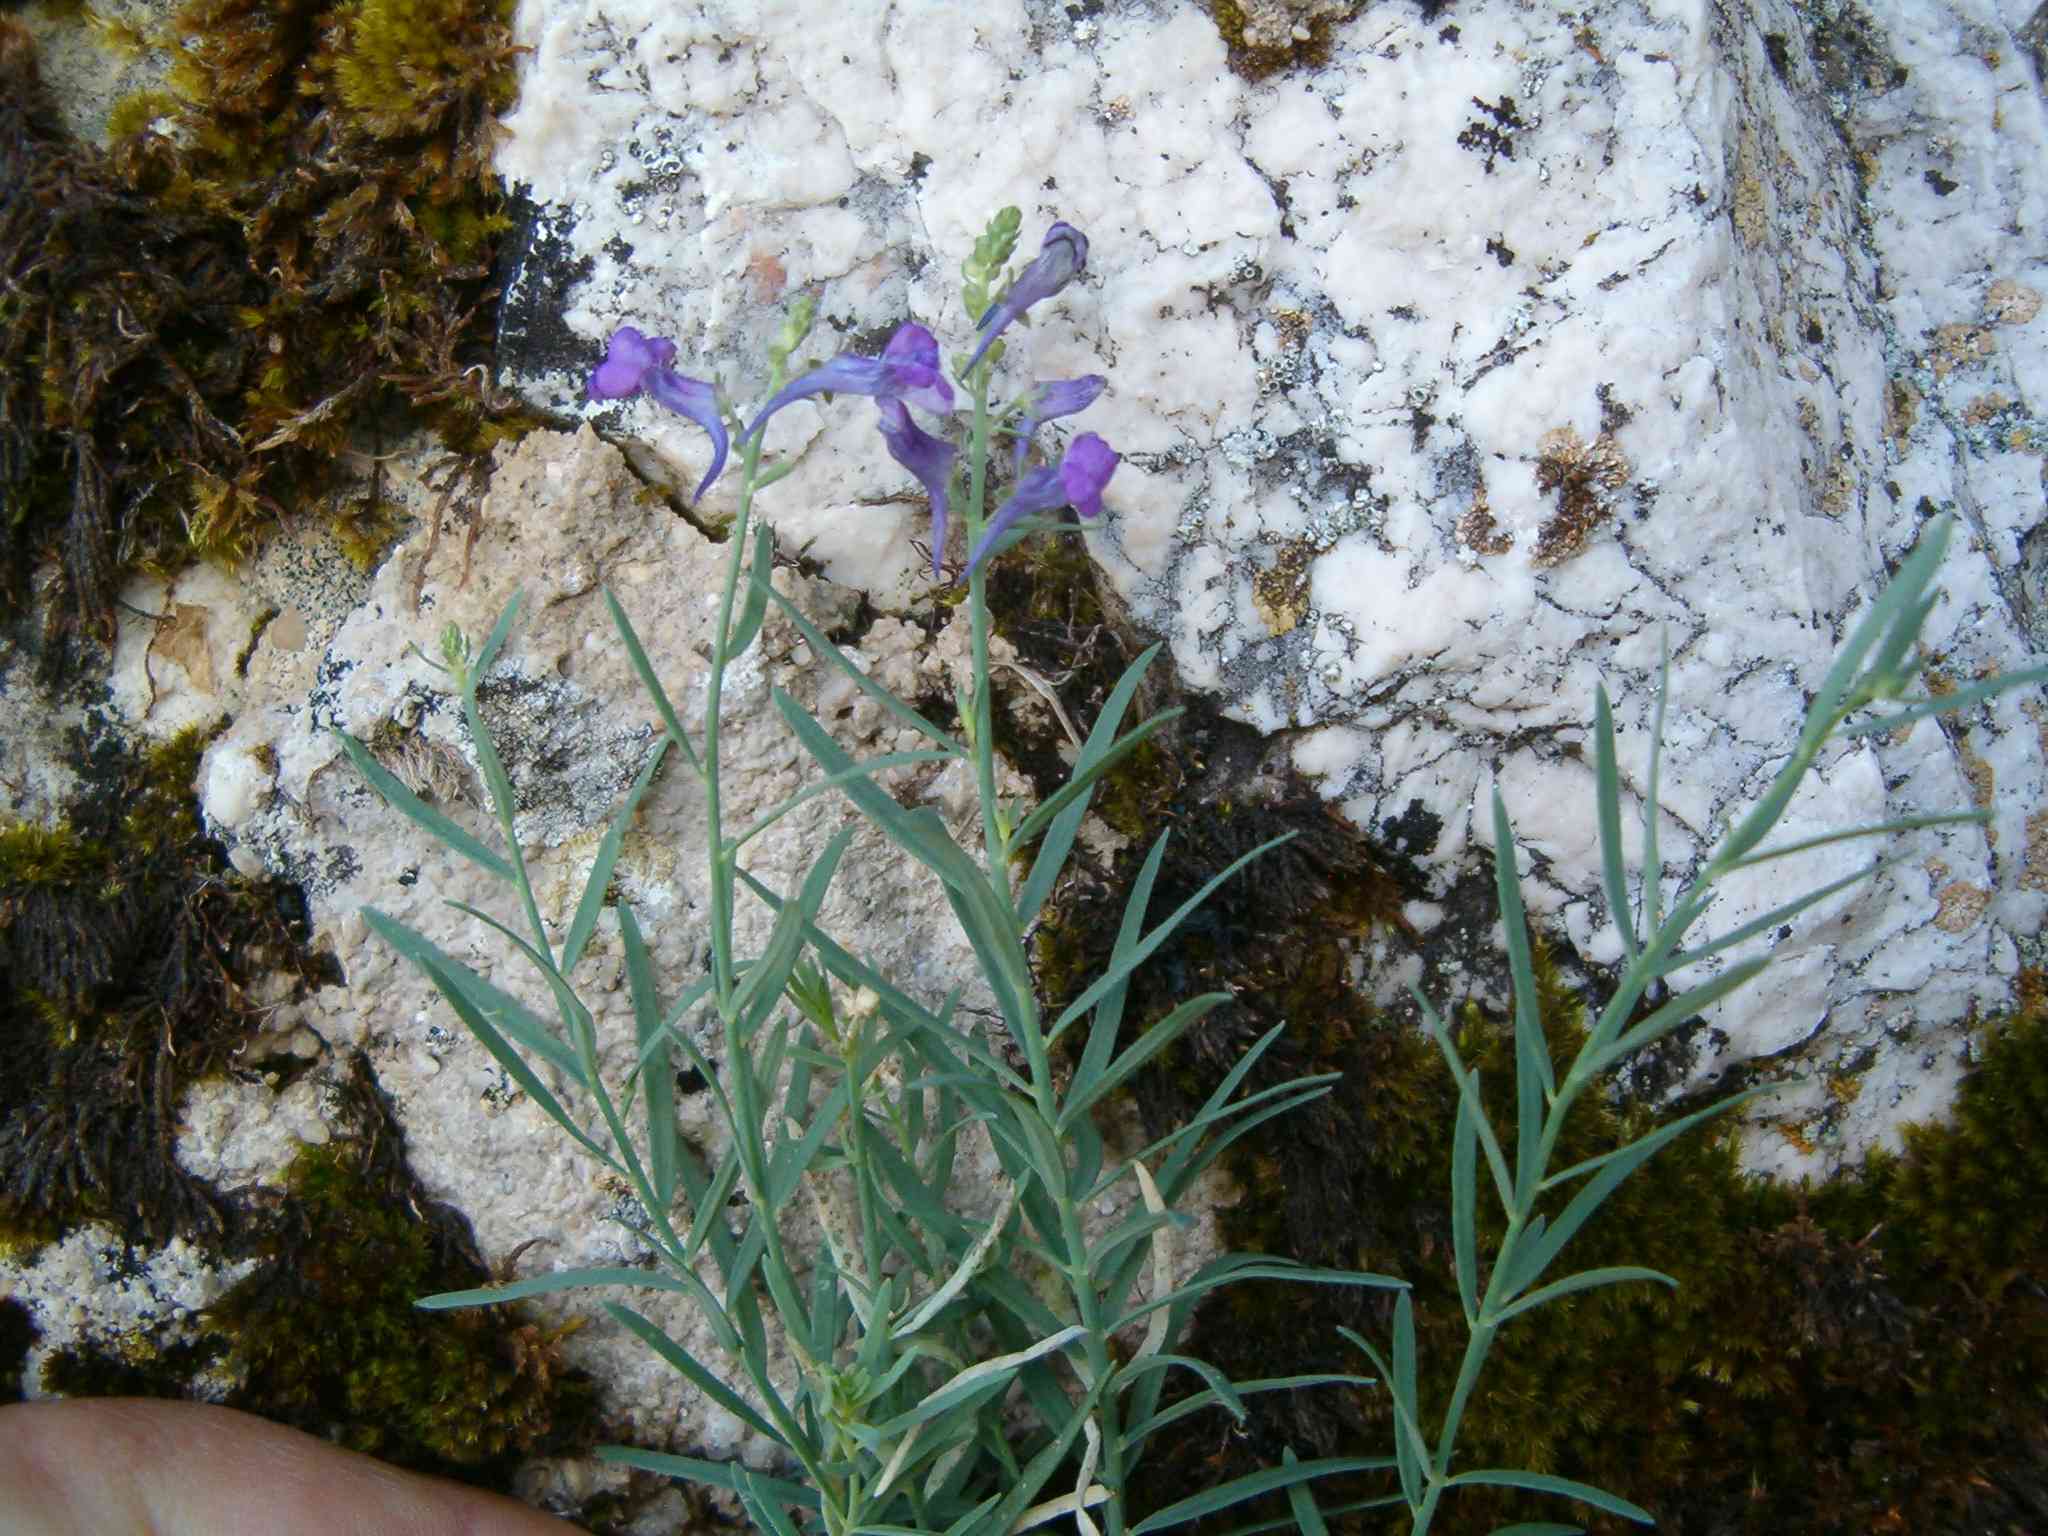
(723, 859)
(995, 841)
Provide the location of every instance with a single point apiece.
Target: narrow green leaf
(1901, 591)
(1307, 1518)
(820, 646)
(754, 606)
(1214, 1108)
(1023, 529)
(1109, 1250)
(1019, 1301)
(505, 1012)
(1411, 1451)
(1120, 969)
(908, 1189)
(1968, 697)
(548, 1284)
(1060, 834)
(1563, 1487)
(1773, 919)
(791, 1158)
(1468, 1089)
(1652, 871)
(1280, 1099)
(1899, 596)
(1232, 1268)
(1050, 860)
(644, 670)
(1198, 1401)
(1618, 1167)
(1850, 834)
(1252, 1485)
(1520, 1261)
(504, 802)
(920, 833)
(993, 935)
(584, 923)
(1086, 1142)
(1411, 1445)
(1041, 1468)
(709, 1203)
(712, 1474)
(1221, 1392)
(1607, 796)
(670, 1032)
(1676, 1011)
(567, 1004)
(977, 1382)
(764, 980)
(1109, 1012)
(1898, 640)
(416, 810)
(658, 1074)
(1142, 1050)
(1465, 1205)
(897, 1004)
(693, 1371)
(1585, 1280)
(1593, 1164)
(1083, 780)
(970, 1264)
(865, 769)
(759, 1500)
(1534, 1085)
(487, 656)
(514, 1064)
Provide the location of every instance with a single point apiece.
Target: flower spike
(927, 457)
(634, 362)
(908, 369)
(1062, 258)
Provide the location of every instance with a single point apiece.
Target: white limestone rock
(1449, 377)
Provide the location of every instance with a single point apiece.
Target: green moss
(326, 1336)
(366, 528)
(1256, 57)
(201, 320)
(411, 66)
(119, 360)
(125, 943)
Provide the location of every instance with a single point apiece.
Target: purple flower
(633, 362)
(908, 369)
(1060, 259)
(1055, 397)
(1077, 483)
(927, 457)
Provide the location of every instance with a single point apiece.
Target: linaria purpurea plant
(964, 1367)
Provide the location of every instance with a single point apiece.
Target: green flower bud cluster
(982, 270)
(796, 325)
